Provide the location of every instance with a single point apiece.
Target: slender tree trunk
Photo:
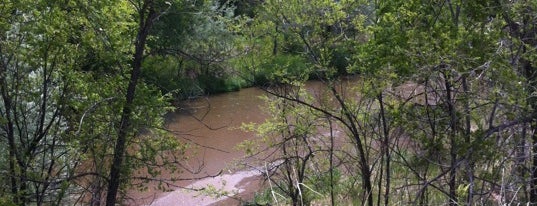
(533, 182)
(452, 141)
(386, 149)
(147, 15)
(364, 163)
(10, 136)
(467, 129)
(455, 9)
(532, 102)
(275, 41)
(521, 161)
(332, 195)
(432, 122)
(12, 162)
(531, 77)
(380, 175)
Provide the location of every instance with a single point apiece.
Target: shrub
(283, 69)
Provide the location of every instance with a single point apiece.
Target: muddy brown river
(211, 125)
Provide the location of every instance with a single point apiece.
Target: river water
(211, 125)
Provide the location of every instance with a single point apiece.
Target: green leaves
(316, 34)
(62, 78)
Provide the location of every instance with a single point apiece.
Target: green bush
(212, 84)
(6, 201)
(163, 72)
(340, 59)
(283, 69)
(170, 76)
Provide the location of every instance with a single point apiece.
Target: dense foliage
(64, 84)
(421, 102)
(440, 110)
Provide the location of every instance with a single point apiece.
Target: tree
(35, 60)
(309, 33)
(521, 34)
(292, 149)
(148, 12)
(450, 52)
(61, 68)
(193, 44)
(438, 75)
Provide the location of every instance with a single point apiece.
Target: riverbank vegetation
(442, 112)
(420, 102)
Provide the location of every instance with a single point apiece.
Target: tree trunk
(528, 37)
(525, 31)
(452, 141)
(386, 149)
(533, 182)
(364, 163)
(10, 136)
(331, 162)
(532, 102)
(467, 130)
(147, 16)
